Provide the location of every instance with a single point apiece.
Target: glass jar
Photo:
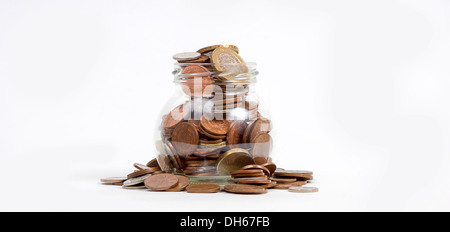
(213, 124)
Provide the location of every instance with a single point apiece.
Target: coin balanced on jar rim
(214, 124)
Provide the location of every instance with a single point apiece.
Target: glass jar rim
(236, 73)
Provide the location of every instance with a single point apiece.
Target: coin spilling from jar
(250, 179)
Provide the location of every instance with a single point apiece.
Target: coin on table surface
(212, 47)
(140, 166)
(139, 186)
(185, 56)
(161, 181)
(257, 167)
(185, 138)
(228, 62)
(137, 180)
(303, 189)
(235, 133)
(243, 172)
(152, 163)
(112, 180)
(239, 181)
(270, 166)
(294, 173)
(142, 172)
(215, 127)
(245, 189)
(232, 160)
(183, 182)
(203, 188)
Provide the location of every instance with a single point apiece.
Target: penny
(183, 182)
(185, 138)
(203, 188)
(283, 180)
(303, 189)
(253, 171)
(142, 172)
(235, 133)
(164, 162)
(212, 47)
(216, 127)
(294, 173)
(212, 136)
(228, 62)
(270, 166)
(261, 126)
(257, 167)
(175, 117)
(245, 189)
(261, 146)
(249, 175)
(248, 130)
(197, 81)
(152, 163)
(185, 56)
(161, 181)
(232, 160)
(137, 180)
(253, 181)
(111, 180)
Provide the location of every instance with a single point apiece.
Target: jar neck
(219, 74)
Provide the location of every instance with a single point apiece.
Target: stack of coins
(291, 178)
(252, 174)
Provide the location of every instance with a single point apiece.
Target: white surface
(359, 93)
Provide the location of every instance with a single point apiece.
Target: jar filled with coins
(214, 124)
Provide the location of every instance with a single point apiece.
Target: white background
(358, 93)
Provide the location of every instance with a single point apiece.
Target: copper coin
(183, 182)
(261, 146)
(185, 138)
(247, 132)
(161, 181)
(243, 172)
(216, 127)
(245, 189)
(175, 117)
(197, 80)
(254, 181)
(203, 188)
(235, 133)
(249, 175)
(260, 159)
(113, 180)
(294, 173)
(257, 167)
(140, 166)
(212, 136)
(284, 180)
(142, 172)
(212, 47)
(261, 126)
(270, 166)
(152, 163)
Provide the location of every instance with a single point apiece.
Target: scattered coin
(142, 172)
(245, 189)
(137, 180)
(111, 180)
(203, 188)
(270, 166)
(161, 181)
(183, 182)
(303, 189)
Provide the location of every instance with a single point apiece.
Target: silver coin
(303, 189)
(140, 166)
(112, 180)
(134, 187)
(135, 181)
(185, 56)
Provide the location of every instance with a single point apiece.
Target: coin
(239, 181)
(164, 162)
(251, 171)
(270, 166)
(257, 167)
(185, 56)
(261, 147)
(203, 188)
(197, 81)
(139, 186)
(283, 180)
(233, 160)
(294, 173)
(185, 138)
(137, 180)
(216, 127)
(175, 117)
(228, 62)
(245, 189)
(303, 189)
(183, 182)
(212, 47)
(201, 59)
(161, 181)
(140, 166)
(142, 172)
(262, 125)
(152, 163)
(235, 133)
(112, 180)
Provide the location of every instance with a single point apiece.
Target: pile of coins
(250, 179)
(219, 128)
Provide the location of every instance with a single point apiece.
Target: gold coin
(232, 160)
(212, 47)
(228, 62)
